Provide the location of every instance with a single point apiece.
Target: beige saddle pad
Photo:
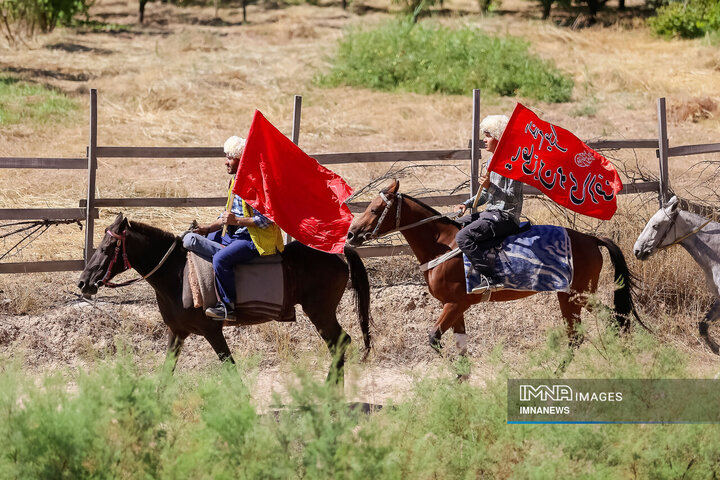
(259, 285)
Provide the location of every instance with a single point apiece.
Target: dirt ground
(185, 78)
(62, 331)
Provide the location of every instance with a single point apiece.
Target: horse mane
(150, 231)
(432, 210)
(707, 211)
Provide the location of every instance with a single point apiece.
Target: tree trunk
(593, 7)
(142, 10)
(546, 6)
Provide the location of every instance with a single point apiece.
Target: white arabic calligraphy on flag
(559, 164)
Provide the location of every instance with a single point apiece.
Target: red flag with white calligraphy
(558, 164)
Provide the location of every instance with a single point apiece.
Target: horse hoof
(434, 340)
(463, 378)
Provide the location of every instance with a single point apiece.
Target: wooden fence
(88, 208)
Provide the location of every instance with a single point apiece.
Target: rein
(678, 240)
(398, 228)
(122, 240)
(388, 203)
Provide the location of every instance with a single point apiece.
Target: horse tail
(361, 284)
(625, 286)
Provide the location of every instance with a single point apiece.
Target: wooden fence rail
(693, 150)
(45, 213)
(88, 207)
(48, 163)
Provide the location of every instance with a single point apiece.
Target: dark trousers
(484, 231)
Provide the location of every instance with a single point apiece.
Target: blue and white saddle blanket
(538, 260)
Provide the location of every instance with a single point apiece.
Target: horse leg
(175, 343)
(451, 317)
(217, 341)
(570, 308)
(462, 364)
(337, 341)
(712, 315)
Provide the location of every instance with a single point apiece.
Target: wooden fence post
(297, 109)
(475, 145)
(92, 170)
(663, 152)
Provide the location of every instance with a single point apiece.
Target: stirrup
(486, 286)
(221, 312)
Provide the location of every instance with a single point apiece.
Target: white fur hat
(494, 125)
(234, 146)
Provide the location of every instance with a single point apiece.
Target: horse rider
(239, 235)
(483, 231)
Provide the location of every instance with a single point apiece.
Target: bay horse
(430, 235)
(316, 280)
(700, 237)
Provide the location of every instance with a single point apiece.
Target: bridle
(388, 204)
(673, 218)
(121, 241)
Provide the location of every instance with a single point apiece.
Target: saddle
(260, 285)
(538, 259)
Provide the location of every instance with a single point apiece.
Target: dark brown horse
(431, 237)
(316, 281)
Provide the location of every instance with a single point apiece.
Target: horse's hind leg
(570, 306)
(712, 315)
(337, 341)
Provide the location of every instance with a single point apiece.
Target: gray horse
(700, 237)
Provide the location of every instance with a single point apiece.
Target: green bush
(427, 59)
(22, 102)
(687, 19)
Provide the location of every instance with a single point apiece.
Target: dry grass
(178, 81)
(693, 110)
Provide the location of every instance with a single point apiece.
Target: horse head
(378, 218)
(107, 261)
(655, 235)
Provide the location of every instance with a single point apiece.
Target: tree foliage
(687, 19)
(593, 6)
(23, 18)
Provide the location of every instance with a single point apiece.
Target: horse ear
(673, 203)
(121, 222)
(394, 186)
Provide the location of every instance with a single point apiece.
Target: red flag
(558, 163)
(292, 189)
